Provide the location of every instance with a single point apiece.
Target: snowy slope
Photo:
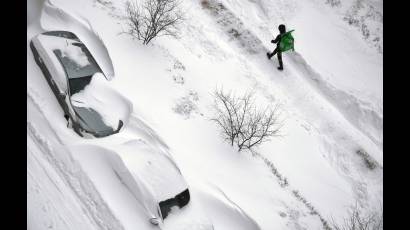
(331, 96)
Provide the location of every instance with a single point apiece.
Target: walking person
(284, 42)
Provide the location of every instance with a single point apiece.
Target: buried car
(136, 172)
(156, 173)
(69, 68)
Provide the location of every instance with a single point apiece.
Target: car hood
(156, 169)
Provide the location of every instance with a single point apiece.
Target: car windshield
(91, 120)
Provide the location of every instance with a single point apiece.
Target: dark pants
(279, 54)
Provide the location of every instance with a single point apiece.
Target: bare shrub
(153, 18)
(242, 123)
(357, 220)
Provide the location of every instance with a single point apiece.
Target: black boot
(269, 55)
(280, 61)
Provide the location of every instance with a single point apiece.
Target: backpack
(287, 42)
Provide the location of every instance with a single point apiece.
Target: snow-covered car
(69, 67)
(151, 176)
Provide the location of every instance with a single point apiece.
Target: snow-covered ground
(330, 93)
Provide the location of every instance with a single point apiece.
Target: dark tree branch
(359, 220)
(153, 18)
(242, 123)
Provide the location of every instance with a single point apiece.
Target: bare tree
(242, 123)
(153, 18)
(357, 220)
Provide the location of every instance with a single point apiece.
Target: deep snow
(330, 92)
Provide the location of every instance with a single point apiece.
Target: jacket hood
(282, 29)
